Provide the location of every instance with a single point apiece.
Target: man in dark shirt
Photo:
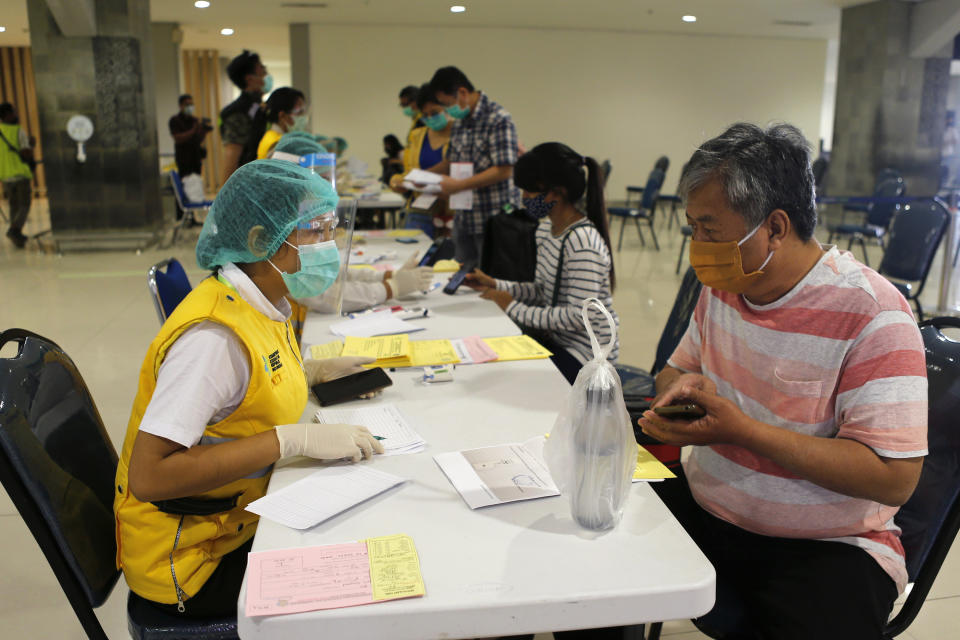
(244, 121)
(188, 133)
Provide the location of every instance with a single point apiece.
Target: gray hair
(759, 171)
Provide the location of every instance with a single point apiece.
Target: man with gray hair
(810, 371)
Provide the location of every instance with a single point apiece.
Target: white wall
(166, 76)
(630, 97)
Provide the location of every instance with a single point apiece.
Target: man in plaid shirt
(483, 133)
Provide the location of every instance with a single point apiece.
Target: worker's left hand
(502, 298)
(329, 369)
(724, 423)
(449, 186)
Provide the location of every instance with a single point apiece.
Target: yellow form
(394, 567)
(649, 468)
(517, 348)
(328, 350)
(390, 351)
(425, 353)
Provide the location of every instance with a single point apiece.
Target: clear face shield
(322, 164)
(335, 226)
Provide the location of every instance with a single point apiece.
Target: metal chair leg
(680, 257)
(655, 628)
(623, 223)
(863, 248)
(654, 234)
(643, 242)
(830, 238)
(919, 309)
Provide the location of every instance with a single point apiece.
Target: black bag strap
(563, 245)
(12, 148)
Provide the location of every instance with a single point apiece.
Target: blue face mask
(267, 84)
(437, 122)
(319, 266)
(538, 207)
(408, 111)
(457, 112)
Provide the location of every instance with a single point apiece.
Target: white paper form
(385, 421)
(499, 474)
(322, 495)
(462, 201)
(421, 177)
(374, 324)
(424, 201)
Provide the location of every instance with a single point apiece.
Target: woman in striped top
(573, 257)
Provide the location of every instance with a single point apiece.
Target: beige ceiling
(262, 24)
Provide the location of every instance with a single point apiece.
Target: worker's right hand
(327, 441)
(478, 280)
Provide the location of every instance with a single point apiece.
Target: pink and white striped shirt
(838, 356)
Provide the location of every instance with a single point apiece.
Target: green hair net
(257, 208)
(299, 144)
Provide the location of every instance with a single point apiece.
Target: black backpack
(510, 246)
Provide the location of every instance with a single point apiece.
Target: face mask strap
(750, 235)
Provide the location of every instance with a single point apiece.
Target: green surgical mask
(408, 111)
(437, 122)
(301, 122)
(457, 112)
(267, 84)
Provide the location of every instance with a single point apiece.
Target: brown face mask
(719, 265)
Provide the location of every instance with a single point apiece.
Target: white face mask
(189, 109)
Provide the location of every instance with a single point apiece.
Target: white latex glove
(410, 278)
(329, 369)
(327, 441)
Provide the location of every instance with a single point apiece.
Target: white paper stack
(375, 324)
(385, 421)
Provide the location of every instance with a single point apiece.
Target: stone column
(300, 57)
(891, 102)
(106, 73)
(165, 38)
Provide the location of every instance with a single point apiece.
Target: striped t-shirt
(586, 274)
(838, 356)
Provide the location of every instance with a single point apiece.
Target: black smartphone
(349, 387)
(680, 412)
(458, 278)
(428, 258)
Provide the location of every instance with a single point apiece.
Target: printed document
(385, 421)
(462, 201)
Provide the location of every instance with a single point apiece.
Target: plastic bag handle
(598, 352)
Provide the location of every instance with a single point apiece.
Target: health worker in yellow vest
(221, 391)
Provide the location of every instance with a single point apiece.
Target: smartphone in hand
(458, 278)
(680, 412)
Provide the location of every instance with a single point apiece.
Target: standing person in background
(573, 257)
(393, 162)
(16, 152)
(408, 103)
(426, 148)
(243, 121)
(484, 134)
(188, 133)
(286, 111)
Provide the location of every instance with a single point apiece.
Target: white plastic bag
(592, 451)
(193, 187)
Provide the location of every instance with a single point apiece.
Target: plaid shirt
(487, 138)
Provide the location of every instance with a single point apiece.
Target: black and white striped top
(586, 274)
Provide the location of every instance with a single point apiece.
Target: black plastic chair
(862, 207)
(644, 210)
(58, 466)
(168, 288)
(879, 215)
(914, 237)
(687, 232)
(606, 168)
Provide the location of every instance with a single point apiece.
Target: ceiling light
(689, 18)
(457, 8)
(2, 29)
(226, 32)
(201, 4)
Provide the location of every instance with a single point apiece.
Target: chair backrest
(819, 167)
(887, 173)
(420, 220)
(890, 188)
(879, 214)
(679, 318)
(652, 189)
(177, 184)
(914, 238)
(58, 465)
(169, 287)
(931, 517)
(606, 168)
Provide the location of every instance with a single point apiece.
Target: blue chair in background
(862, 207)
(914, 237)
(190, 209)
(419, 220)
(57, 464)
(168, 287)
(877, 222)
(645, 209)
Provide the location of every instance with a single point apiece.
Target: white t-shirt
(205, 373)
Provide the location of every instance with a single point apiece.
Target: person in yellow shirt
(426, 148)
(286, 111)
(221, 392)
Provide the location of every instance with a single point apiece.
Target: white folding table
(509, 569)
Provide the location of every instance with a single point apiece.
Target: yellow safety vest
(267, 143)
(11, 166)
(277, 394)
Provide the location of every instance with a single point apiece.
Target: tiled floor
(96, 306)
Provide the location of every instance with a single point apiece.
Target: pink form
(308, 579)
(479, 350)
